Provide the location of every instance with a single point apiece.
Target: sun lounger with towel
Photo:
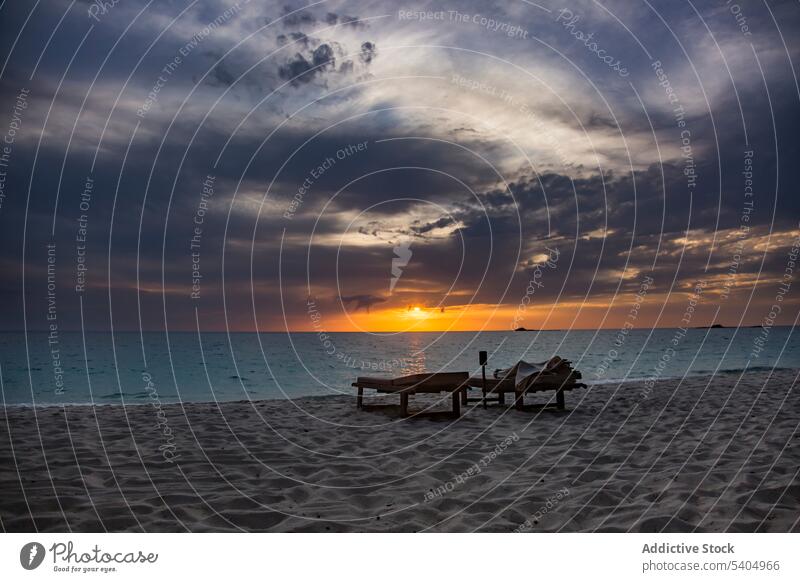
(526, 378)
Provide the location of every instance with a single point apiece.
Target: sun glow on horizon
(417, 312)
(665, 310)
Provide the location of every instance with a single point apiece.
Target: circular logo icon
(31, 555)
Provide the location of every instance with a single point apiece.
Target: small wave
(689, 374)
(123, 395)
(750, 369)
(603, 381)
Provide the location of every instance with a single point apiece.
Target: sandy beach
(704, 454)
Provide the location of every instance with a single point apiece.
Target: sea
(137, 368)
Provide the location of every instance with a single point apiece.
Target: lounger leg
(463, 396)
(560, 399)
(501, 398)
(456, 404)
(520, 400)
(483, 375)
(360, 399)
(404, 404)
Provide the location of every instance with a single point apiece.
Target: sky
(383, 166)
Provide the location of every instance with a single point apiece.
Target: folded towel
(554, 370)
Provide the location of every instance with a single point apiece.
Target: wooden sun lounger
(454, 383)
(552, 377)
(502, 386)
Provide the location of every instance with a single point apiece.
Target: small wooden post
(404, 404)
(560, 399)
(483, 357)
(520, 399)
(360, 398)
(457, 403)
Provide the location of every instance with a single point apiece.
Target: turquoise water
(132, 368)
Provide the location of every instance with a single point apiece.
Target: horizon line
(753, 326)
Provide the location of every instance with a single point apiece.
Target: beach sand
(705, 454)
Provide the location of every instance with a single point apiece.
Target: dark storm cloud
(321, 59)
(318, 56)
(418, 228)
(368, 52)
(299, 37)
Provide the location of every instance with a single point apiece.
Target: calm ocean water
(131, 368)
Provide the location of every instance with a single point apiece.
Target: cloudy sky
(388, 166)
